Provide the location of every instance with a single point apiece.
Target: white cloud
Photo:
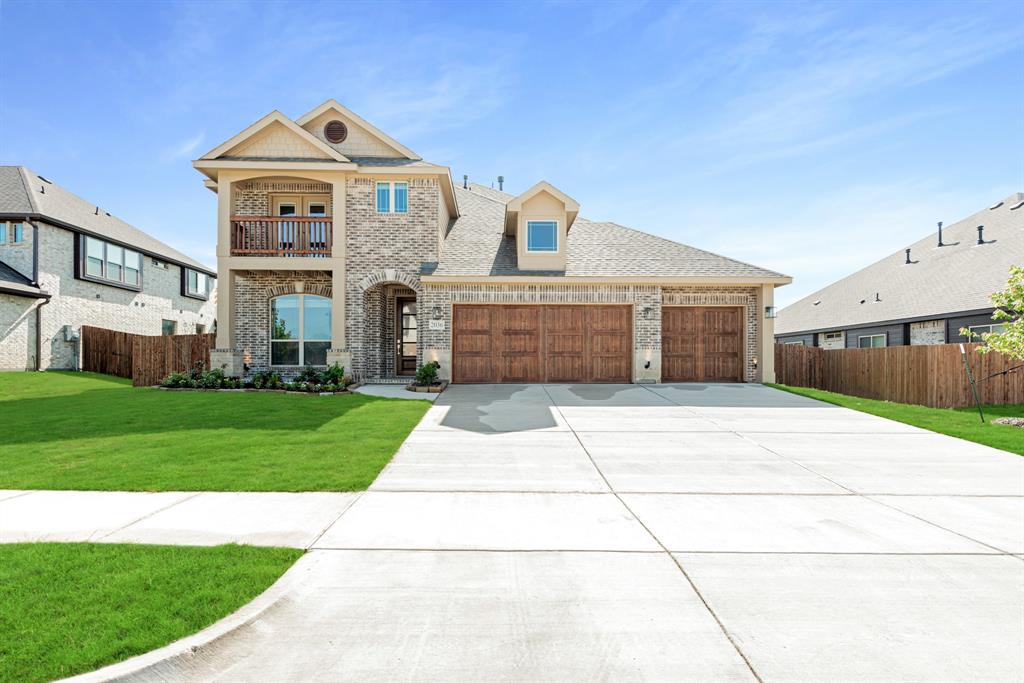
(185, 149)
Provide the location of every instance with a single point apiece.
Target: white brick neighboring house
(336, 243)
(65, 263)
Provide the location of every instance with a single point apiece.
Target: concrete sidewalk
(579, 533)
(273, 519)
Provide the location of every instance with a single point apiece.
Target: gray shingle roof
(943, 280)
(13, 282)
(477, 245)
(26, 193)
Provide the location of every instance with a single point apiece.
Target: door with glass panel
(405, 326)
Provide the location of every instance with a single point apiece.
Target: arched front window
(300, 329)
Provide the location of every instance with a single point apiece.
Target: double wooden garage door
(534, 343)
(701, 344)
(541, 343)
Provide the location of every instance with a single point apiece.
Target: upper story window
(111, 264)
(542, 236)
(196, 284)
(12, 233)
(392, 197)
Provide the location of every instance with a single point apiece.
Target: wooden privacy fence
(145, 359)
(923, 375)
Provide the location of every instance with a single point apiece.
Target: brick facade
(385, 254)
(79, 302)
(928, 332)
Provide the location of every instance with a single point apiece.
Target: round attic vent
(335, 131)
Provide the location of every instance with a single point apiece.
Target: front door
(405, 328)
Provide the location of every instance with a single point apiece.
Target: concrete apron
(689, 532)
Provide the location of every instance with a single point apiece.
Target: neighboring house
(336, 243)
(65, 262)
(923, 295)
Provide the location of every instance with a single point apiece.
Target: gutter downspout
(35, 283)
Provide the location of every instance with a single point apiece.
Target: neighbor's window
(795, 343)
(15, 232)
(983, 329)
(541, 236)
(300, 329)
(102, 261)
(833, 336)
(168, 327)
(317, 209)
(285, 209)
(197, 284)
(871, 341)
(385, 190)
(200, 329)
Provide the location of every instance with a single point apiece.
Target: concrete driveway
(676, 532)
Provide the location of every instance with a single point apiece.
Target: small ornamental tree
(1009, 305)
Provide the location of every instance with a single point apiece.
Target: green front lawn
(959, 422)
(67, 608)
(88, 431)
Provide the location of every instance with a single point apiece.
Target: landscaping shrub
(427, 374)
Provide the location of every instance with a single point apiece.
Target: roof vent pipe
(465, 182)
(981, 237)
(908, 257)
(877, 297)
(501, 182)
(940, 235)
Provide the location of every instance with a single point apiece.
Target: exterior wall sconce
(437, 312)
(754, 362)
(769, 311)
(647, 312)
(647, 365)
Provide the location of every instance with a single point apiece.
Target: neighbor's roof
(24, 193)
(477, 245)
(958, 277)
(13, 282)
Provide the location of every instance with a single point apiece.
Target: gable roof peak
(270, 119)
(333, 104)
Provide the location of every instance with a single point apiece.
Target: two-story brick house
(66, 262)
(336, 243)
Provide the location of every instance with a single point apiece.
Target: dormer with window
(540, 220)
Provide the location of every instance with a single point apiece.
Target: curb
(161, 664)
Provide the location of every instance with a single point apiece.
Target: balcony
(281, 236)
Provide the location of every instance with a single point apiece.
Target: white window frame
(542, 251)
(832, 336)
(799, 342)
(301, 339)
(203, 294)
(391, 185)
(83, 264)
(985, 329)
(883, 335)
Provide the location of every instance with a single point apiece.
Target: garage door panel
(701, 344)
(542, 343)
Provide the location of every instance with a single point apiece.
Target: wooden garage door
(534, 343)
(701, 344)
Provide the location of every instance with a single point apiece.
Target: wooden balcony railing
(280, 236)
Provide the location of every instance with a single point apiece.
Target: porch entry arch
(390, 319)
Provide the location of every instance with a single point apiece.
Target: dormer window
(398, 191)
(542, 236)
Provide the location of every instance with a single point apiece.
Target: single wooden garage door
(701, 344)
(541, 343)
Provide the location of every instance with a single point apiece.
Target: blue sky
(809, 138)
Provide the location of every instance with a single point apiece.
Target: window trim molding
(184, 284)
(391, 185)
(301, 340)
(82, 273)
(553, 222)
